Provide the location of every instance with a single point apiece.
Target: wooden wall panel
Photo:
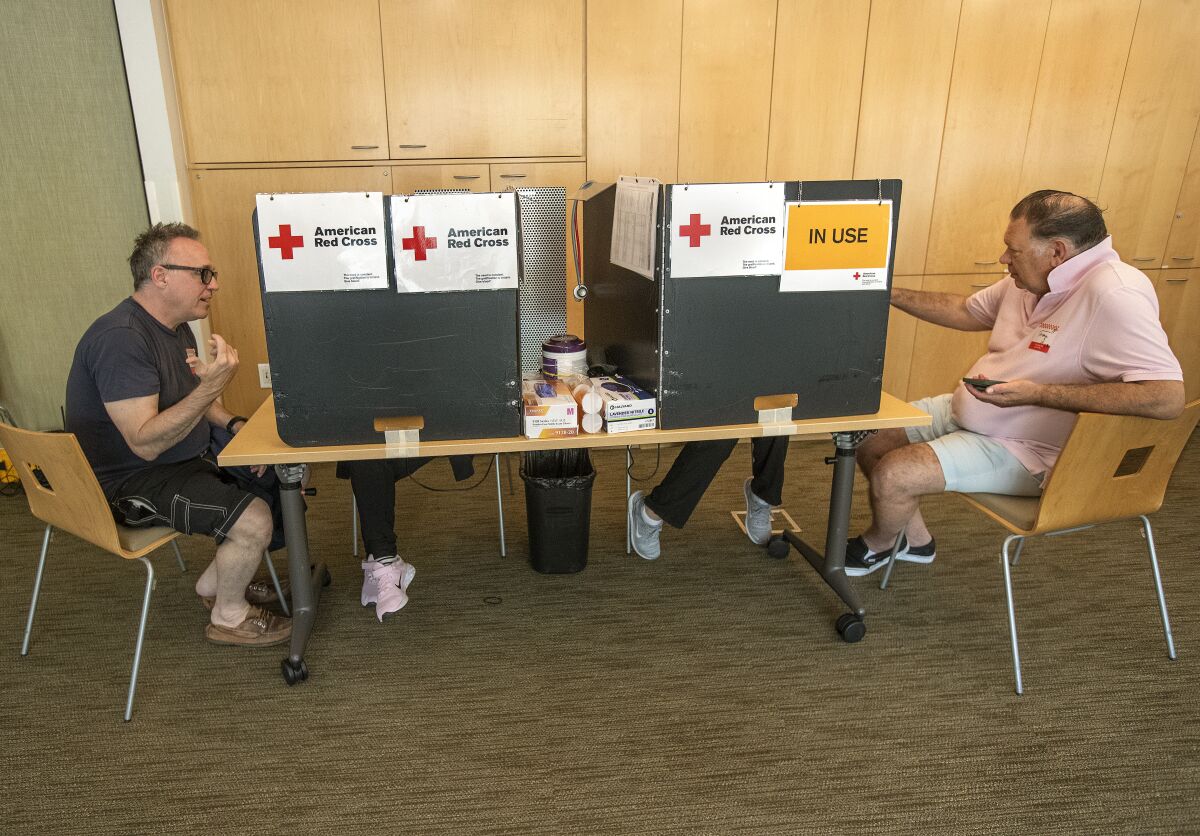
(634, 51)
(1156, 120)
(903, 111)
(725, 90)
(819, 48)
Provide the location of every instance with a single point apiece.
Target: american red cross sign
(695, 230)
(419, 243)
(285, 242)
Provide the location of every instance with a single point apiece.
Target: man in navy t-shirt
(142, 401)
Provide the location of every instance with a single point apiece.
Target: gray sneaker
(758, 517)
(642, 534)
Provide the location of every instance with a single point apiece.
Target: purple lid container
(563, 344)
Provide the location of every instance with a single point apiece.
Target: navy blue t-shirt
(127, 353)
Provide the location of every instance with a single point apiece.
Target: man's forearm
(1146, 398)
(167, 428)
(946, 309)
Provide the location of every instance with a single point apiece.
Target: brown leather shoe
(260, 629)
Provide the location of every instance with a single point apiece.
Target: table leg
(832, 565)
(305, 595)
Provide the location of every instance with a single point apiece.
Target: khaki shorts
(971, 463)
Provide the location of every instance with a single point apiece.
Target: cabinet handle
(466, 176)
(1177, 281)
(981, 285)
(1145, 258)
(410, 146)
(512, 176)
(1183, 258)
(983, 263)
(363, 147)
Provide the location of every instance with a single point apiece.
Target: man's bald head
(1054, 214)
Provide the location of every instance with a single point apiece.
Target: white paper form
(445, 242)
(332, 241)
(634, 217)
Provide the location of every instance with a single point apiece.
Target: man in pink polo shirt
(1074, 329)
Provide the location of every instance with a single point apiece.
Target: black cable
(482, 479)
(653, 473)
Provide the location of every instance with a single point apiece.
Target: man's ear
(1061, 250)
(158, 275)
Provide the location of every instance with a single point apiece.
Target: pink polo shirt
(1098, 324)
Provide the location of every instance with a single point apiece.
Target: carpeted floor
(706, 692)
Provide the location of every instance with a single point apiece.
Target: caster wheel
(293, 673)
(851, 628)
(778, 547)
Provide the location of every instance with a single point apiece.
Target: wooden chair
(63, 493)
(1113, 467)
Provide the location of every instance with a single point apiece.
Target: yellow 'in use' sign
(833, 236)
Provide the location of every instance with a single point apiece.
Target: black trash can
(558, 504)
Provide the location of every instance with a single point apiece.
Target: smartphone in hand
(980, 383)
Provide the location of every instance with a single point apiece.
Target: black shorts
(194, 497)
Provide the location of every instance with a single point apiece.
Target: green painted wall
(71, 197)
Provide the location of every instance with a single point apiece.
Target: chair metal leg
(1162, 601)
(283, 605)
(37, 588)
(137, 653)
(499, 504)
(179, 557)
(1012, 616)
(354, 524)
(1016, 558)
(891, 564)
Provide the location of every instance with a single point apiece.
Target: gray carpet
(706, 692)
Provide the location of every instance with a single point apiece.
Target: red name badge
(1042, 347)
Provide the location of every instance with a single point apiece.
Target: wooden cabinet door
(224, 202)
(902, 330)
(903, 113)
(725, 90)
(633, 59)
(987, 118)
(407, 179)
(484, 78)
(1183, 247)
(268, 80)
(1179, 312)
(817, 79)
(941, 356)
(527, 175)
(1156, 120)
(1087, 45)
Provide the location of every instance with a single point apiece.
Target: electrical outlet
(264, 375)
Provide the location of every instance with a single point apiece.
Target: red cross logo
(419, 243)
(285, 242)
(694, 231)
(857, 275)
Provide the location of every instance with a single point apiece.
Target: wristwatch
(234, 420)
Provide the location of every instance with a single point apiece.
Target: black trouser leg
(374, 486)
(676, 497)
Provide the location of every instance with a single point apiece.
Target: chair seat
(1019, 512)
(138, 541)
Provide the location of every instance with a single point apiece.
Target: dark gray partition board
(341, 359)
(722, 342)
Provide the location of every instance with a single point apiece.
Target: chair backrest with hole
(1113, 467)
(61, 488)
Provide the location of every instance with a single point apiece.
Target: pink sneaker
(386, 585)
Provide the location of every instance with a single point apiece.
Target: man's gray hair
(151, 247)
(1054, 214)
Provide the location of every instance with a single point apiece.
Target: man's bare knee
(254, 525)
(876, 446)
(910, 471)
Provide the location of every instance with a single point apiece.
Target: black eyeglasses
(206, 274)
